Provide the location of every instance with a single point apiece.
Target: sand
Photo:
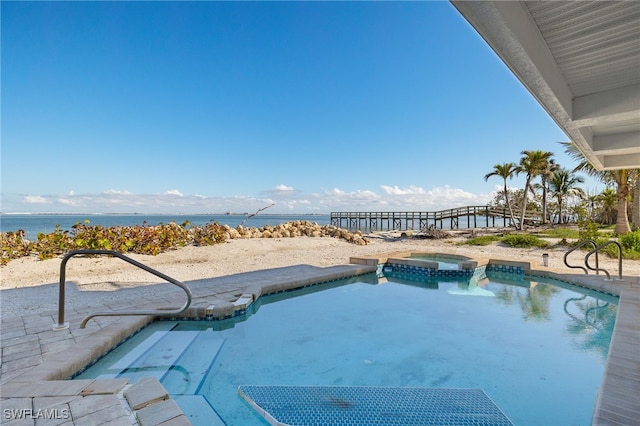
(247, 255)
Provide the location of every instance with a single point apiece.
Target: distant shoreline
(161, 214)
(34, 223)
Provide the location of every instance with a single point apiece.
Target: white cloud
(75, 203)
(115, 191)
(282, 187)
(395, 190)
(394, 198)
(35, 199)
(282, 191)
(286, 199)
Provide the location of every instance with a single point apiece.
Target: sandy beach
(247, 255)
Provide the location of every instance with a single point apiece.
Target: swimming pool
(537, 348)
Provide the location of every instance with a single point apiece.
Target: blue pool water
(536, 349)
(444, 263)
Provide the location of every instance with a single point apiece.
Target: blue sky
(205, 107)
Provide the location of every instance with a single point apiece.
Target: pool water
(536, 349)
(444, 263)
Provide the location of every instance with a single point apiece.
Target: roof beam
(608, 107)
(617, 143)
(621, 161)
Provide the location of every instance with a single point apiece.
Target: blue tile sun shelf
(416, 268)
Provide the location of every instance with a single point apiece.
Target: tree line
(556, 194)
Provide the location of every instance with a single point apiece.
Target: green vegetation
(630, 243)
(551, 193)
(524, 241)
(512, 240)
(153, 240)
(483, 240)
(125, 239)
(555, 197)
(567, 237)
(558, 233)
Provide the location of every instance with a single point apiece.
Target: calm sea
(33, 224)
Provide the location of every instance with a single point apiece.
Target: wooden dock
(468, 217)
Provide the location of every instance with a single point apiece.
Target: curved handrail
(588, 311)
(580, 244)
(162, 312)
(586, 320)
(596, 250)
(566, 306)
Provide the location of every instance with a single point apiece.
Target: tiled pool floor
(36, 361)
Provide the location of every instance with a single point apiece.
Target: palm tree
(533, 163)
(592, 201)
(623, 179)
(505, 171)
(563, 184)
(635, 209)
(546, 176)
(607, 200)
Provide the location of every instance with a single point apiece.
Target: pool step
(200, 412)
(191, 368)
(180, 360)
(130, 354)
(160, 356)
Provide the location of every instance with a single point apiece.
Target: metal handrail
(596, 250)
(582, 243)
(162, 312)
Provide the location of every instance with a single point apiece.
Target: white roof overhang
(580, 60)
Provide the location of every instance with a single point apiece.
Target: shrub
(631, 241)
(211, 233)
(92, 237)
(560, 232)
(14, 245)
(589, 231)
(145, 239)
(53, 244)
(483, 240)
(524, 241)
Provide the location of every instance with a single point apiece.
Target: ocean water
(33, 224)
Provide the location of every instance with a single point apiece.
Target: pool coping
(617, 401)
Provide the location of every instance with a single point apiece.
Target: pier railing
(456, 218)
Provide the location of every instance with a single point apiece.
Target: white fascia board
(507, 26)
